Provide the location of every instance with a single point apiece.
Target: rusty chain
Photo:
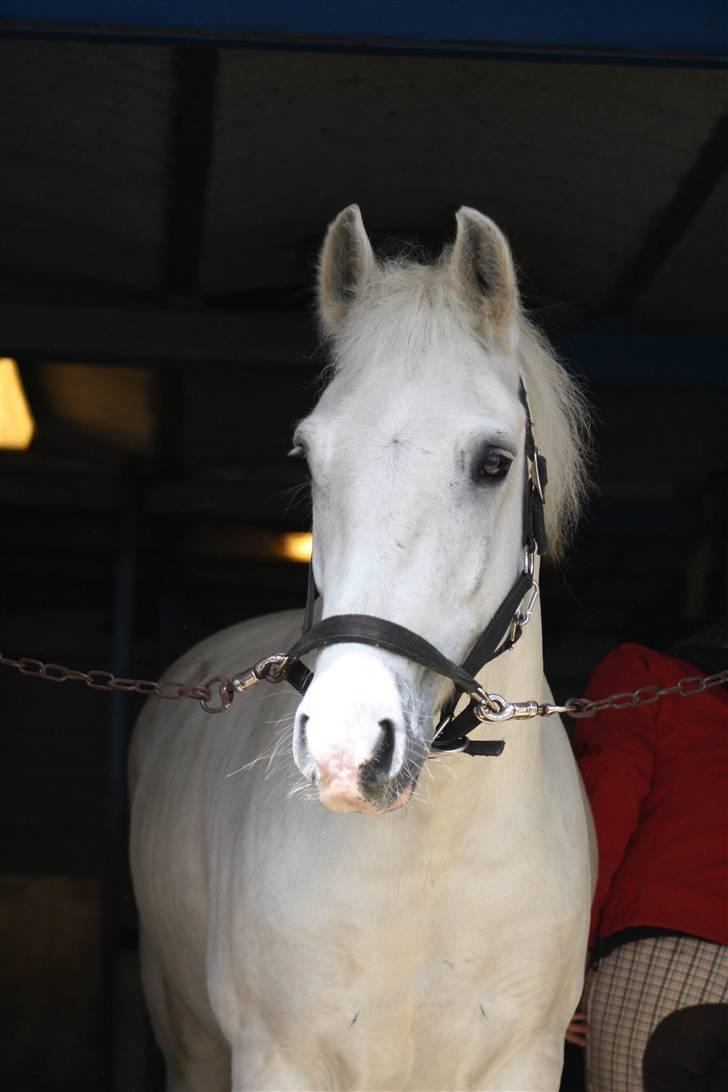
(105, 680)
(630, 699)
(272, 669)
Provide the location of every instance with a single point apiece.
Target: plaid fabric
(633, 989)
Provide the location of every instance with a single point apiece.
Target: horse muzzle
(354, 739)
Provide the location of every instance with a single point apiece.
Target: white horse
(437, 942)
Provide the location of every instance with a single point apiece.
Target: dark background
(161, 204)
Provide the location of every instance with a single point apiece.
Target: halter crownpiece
(500, 635)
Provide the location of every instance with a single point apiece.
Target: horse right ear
(346, 264)
(482, 265)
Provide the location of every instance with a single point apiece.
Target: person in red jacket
(657, 779)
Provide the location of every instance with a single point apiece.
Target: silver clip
(522, 618)
(245, 680)
(536, 476)
(496, 709)
(270, 669)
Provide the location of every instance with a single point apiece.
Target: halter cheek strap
(500, 635)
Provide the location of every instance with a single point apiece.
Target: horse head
(416, 453)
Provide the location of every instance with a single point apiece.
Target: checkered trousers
(633, 989)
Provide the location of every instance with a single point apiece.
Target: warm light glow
(296, 546)
(16, 422)
(249, 542)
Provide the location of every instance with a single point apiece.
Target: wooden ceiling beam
(672, 223)
(155, 336)
(188, 168)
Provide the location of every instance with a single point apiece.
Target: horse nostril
(378, 767)
(385, 750)
(301, 752)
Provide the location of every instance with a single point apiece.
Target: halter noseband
(500, 635)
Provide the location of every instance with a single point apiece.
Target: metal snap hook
(523, 617)
(273, 668)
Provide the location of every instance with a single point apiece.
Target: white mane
(408, 307)
(562, 430)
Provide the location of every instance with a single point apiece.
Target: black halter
(500, 635)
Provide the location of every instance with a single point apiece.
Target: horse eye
(494, 466)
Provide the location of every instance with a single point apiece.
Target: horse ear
(346, 264)
(483, 267)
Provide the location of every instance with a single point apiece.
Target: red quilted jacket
(657, 780)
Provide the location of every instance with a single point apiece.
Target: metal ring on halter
(442, 752)
(500, 709)
(225, 692)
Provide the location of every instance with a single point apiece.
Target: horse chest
(367, 947)
(394, 996)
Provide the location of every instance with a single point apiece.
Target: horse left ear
(347, 263)
(482, 264)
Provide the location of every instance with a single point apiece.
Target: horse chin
(404, 797)
(342, 799)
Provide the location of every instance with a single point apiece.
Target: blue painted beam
(265, 338)
(652, 29)
(616, 357)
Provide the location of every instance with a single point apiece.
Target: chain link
(272, 669)
(105, 680)
(631, 699)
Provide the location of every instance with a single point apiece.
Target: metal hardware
(442, 752)
(536, 476)
(455, 748)
(646, 695)
(522, 618)
(225, 693)
(273, 668)
(245, 680)
(104, 680)
(491, 708)
(498, 709)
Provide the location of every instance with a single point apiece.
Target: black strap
(534, 525)
(451, 733)
(310, 599)
(483, 651)
(487, 748)
(365, 629)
